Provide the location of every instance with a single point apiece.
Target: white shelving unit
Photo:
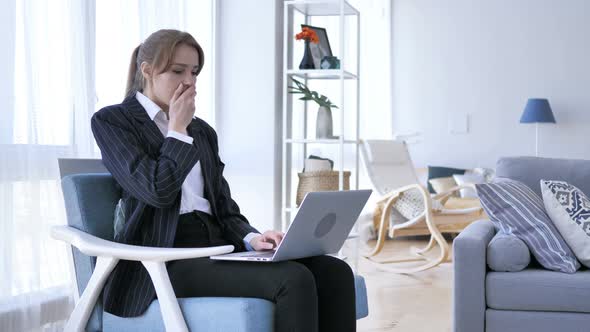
(308, 9)
(326, 74)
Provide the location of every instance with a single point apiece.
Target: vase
(324, 123)
(307, 61)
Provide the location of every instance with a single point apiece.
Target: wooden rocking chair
(393, 176)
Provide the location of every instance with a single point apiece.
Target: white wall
(485, 58)
(248, 112)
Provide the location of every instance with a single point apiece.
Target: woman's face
(183, 69)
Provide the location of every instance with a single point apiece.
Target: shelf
(347, 78)
(321, 7)
(320, 141)
(319, 74)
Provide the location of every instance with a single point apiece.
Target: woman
(166, 162)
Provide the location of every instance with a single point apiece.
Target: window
(42, 78)
(66, 59)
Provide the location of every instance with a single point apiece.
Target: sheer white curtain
(64, 59)
(47, 117)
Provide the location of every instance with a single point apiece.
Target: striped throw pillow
(516, 209)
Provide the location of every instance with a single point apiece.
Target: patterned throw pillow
(516, 209)
(569, 209)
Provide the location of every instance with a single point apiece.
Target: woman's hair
(158, 50)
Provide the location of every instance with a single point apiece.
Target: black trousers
(310, 294)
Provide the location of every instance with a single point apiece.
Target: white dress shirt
(192, 190)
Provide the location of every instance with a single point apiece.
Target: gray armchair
(533, 299)
(90, 203)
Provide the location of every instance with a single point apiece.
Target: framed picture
(321, 49)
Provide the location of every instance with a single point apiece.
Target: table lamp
(537, 110)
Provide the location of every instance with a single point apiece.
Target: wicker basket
(319, 181)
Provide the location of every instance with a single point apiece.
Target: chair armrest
(94, 246)
(445, 195)
(108, 255)
(395, 193)
(388, 203)
(469, 259)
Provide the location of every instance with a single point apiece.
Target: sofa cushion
(569, 210)
(362, 302)
(207, 313)
(516, 209)
(468, 179)
(441, 172)
(539, 290)
(530, 170)
(202, 314)
(507, 253)
(537, 321)
(441, 185)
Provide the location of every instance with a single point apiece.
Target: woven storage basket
(319, 181)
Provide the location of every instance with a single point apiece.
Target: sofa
(533, 299)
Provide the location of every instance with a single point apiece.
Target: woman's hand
(267, 240)
(182, 108)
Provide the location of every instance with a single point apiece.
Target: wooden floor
(408, 303)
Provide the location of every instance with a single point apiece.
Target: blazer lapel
(147, 128)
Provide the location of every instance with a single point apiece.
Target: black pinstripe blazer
(150, 170)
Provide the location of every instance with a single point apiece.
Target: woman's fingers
(266, 245)
(187, 88)
(261, 243)
(275, 237)
(268, 240)
(191, 92)
(188, 95)
(179, 90)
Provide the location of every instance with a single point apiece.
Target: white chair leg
(422, 251)
(438, 237)
(171, 313)
(79, 317)
(381, 232)
(435, 238)
(383, 265)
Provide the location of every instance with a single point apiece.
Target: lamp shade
(537, 110)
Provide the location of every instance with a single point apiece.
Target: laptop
(320, 227)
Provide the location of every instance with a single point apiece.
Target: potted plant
(309, 35)
(324, 119)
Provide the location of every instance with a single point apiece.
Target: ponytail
(134, 77)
